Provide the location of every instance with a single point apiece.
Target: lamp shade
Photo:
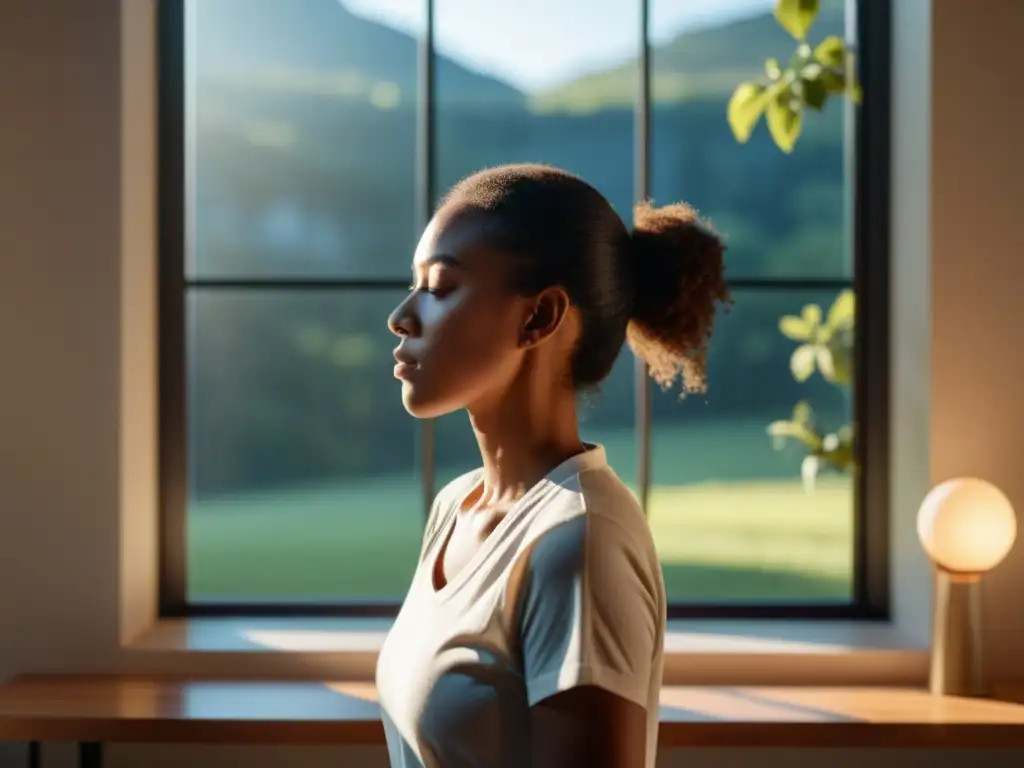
(966, 525)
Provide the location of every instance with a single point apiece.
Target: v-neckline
(473, 563)
(593, 454)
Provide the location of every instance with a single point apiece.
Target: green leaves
(831, 52)
(815, 93)
(777, 102)
(804, 327)
(803, 361)
(745, 108)
(832, 450)
(793, 327)
(796, 16)
(784, 116)
(836, 73)
(835, 452)
(843, 311)
(825, 342)
(827, 347)
(800, 427)
(806, 82)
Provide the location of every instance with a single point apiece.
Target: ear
(544, 316)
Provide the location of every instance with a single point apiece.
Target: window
(302, 145)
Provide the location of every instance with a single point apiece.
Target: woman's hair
(657, 287)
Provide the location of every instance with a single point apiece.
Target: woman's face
(461, 326)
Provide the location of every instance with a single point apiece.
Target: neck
(523, 436)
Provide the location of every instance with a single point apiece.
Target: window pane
(785, 215)
(304, 476)
(524, 96)
(731, 517)
(302, 125)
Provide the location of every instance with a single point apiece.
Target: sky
(536, 44)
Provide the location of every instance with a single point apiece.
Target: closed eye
(437, 291)
(437, 269)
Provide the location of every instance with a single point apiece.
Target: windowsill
(746, 652)
(243, 711)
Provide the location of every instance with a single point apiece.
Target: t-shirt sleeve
(589, 611)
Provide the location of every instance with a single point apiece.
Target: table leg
(90, 755)
(35, 755)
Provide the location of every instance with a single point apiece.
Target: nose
(403, 320)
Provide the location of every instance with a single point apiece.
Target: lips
(403, 357)
(405, 364)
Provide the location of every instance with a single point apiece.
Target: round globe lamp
(966, 526)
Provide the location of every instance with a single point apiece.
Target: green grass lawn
(721, 539)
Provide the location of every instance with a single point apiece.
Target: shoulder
(591, 508)
(594, 526)
(591, 606)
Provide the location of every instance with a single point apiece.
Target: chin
(420, 406)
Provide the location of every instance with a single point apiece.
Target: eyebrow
(443, 259)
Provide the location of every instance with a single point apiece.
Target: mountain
(706, 62)
(319, 47)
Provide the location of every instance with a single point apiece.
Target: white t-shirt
(566, 591)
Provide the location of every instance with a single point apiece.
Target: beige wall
(977, 398)
(60, 293)
(66, 405)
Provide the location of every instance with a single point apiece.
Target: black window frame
(869, 124)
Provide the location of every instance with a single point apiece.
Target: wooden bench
(95, 711)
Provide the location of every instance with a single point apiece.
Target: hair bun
(680, 279)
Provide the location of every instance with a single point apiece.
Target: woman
(532, 634)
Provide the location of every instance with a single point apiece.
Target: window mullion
(425, 192)
(641, 191)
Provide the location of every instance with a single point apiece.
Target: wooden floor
(160, 710)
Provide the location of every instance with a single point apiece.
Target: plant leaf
(785, 428)
(841, 350)
(784, 121)
(781, 430)
(837, 449)
(745, 108)
(796, 16)
(814, 93)
(795, 328)
(831, 52)
(802, 362)
(823, 356)
(834, 82)
(802, 413)
(811, 314)
(843, 310)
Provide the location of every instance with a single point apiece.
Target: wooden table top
(160, 710)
